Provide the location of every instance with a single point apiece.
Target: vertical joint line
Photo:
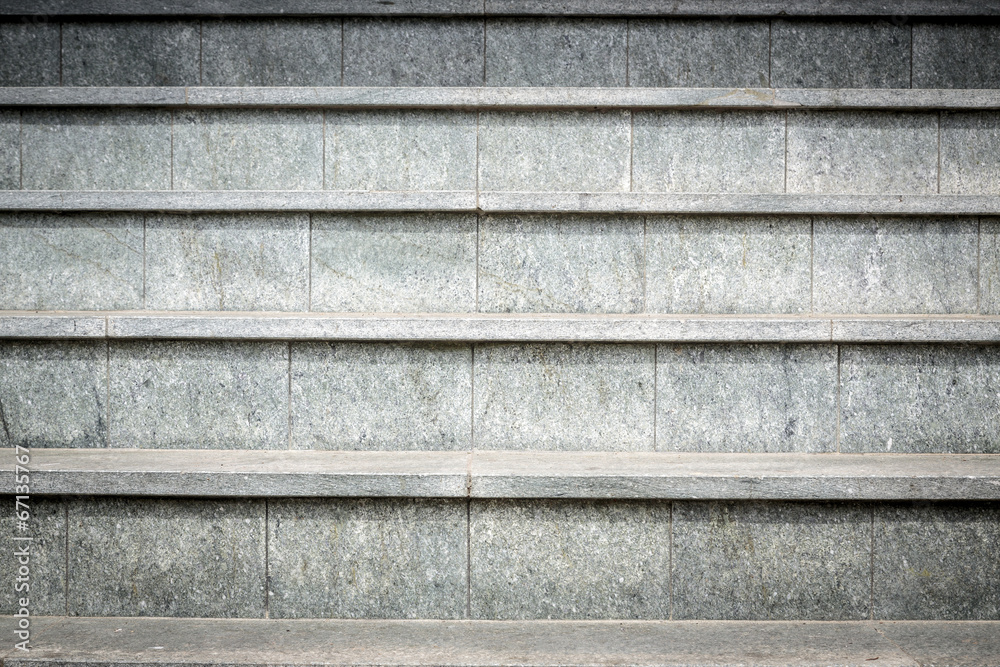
(838, 393)
(656, 348)
(631, 148)
(322, 185)
(144, 218)
(171, 150)
(911, 55)
(979, 265)
(670, 564)
(785, 184)
(468, 554)
(628, 38)
(472, 399)
(66, 550)
(939, 152)
(871, 568)
(20, 150)
(309, 271)
(60, 54)
(342, 48)
(289, 394)
(267, 560)
(812, 266)
(645, 270)
(477, 261)
(770, 28)
(477, 158)
(201, 53)
(484, 42)
(107, 387)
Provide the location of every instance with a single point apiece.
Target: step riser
(806, 152)
(463, 263)
(897, 52)
(514, 559)
(370, 396)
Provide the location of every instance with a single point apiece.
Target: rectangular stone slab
(507, 474)
(128, 641)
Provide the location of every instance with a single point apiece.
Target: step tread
(510, 474)
(135, 641)
(469, 201)
(489, 327)
(512, 98)
(722, 8)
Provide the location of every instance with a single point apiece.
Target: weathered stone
(771, 561)
(728, 264)
(379, 396)
(570, 264)
(569, 559)
(43, 554)
(970, 145)
(199, 395)
(937, 561)
(227, 262)
(413, 52)
(424, 263)
(131, 53)
(30, 54)
(161, 557)
(53, 394)
(956, 55)
(71, 262)
(708, 151)
(564, 397)
(367, 558)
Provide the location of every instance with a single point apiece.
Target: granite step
(505, 474)
(184, 641)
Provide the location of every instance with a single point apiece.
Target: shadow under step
(150, 641)
(485, 474)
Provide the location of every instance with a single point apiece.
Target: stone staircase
(500, 332)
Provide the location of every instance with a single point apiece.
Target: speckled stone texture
(10, 149)
(577, 151)
(46, 557)
(989, 266)
(697, 53)
(199, 395)
(708, 151)
(937, 561)
(400, 150)
(564, 397)
(555, 52)
(970, 153)
(556, 559)
(70, 262)
(283, 52)
(367, 558)
(920, 399)
(96, 149)
(728, 264)
(825, 54)
(53, 394)
(227, 262)
(895, 265)
(413, 52)
(565, 264)
(248, 149)
(424, 263)
(957, 55)
(131, 53)
(374, 396)
(771, 561)
(30, 53)
(862, 152)
(158, 557)
(746, 398)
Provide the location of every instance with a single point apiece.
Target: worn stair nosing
(488, 327)
(469, 201)
(726, 9)
(510, 474)
(505, 98)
